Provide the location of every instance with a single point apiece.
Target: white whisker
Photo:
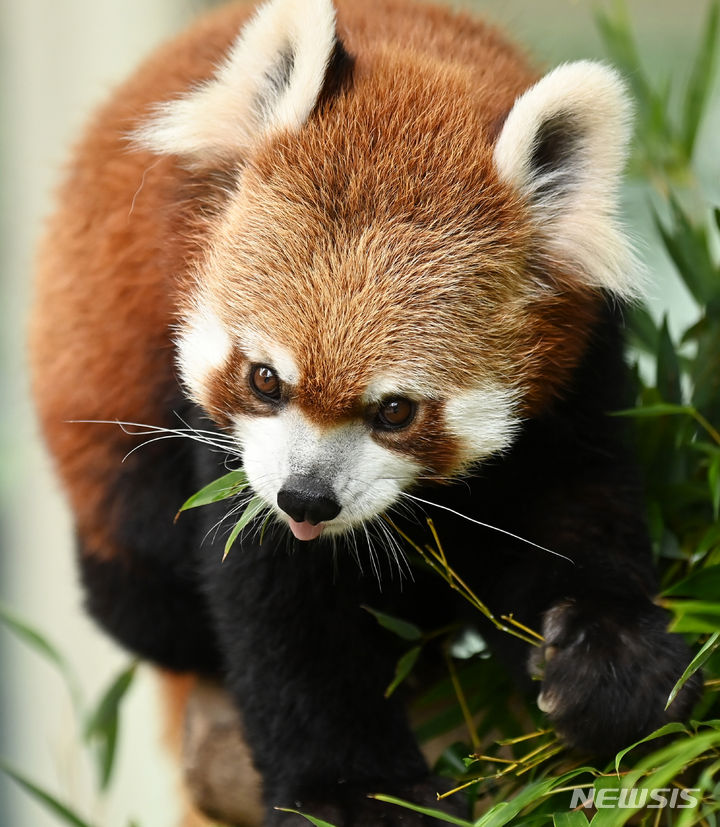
(487, 525)
(396, 549)
(240, 505)
(221, 440)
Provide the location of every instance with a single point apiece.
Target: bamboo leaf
(428, 811)
(709, 540)
(318, 822)
(109, 705)
(222, 488)
(714, 483)
(572, 818)
(102, 725)
(688, 248)
(264, 526)
(253, 508)
(703, 584)
(712, 644)
(642, 328)
(668, 729)
(402, 628)
(670, 761)
(695, 616)
(661, 409)
(504, 812)
(668, 368)
(619, 44)
(46, 649)
(106, 749)
(403, 668)
(48, 800)
(701, 79)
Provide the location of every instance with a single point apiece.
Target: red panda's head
(405, 268)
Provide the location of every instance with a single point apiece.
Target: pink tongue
(304, 530)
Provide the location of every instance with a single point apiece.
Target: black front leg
(607, 671)
(308, 667)
(608, 662)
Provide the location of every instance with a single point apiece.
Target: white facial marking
(484, 420)
(382, 387)
(268, 353)
(203, 346)
(365, 477)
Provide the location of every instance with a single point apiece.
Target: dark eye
(265, 382)
(395, 413)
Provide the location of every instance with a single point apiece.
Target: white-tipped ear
(270, 80)
(563, 146)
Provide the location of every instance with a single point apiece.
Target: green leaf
(264, 526)
(709, 540)
(688, 248)
(403, 668)
(668, 729)
(696, 616)
(703, 584)
(712, 644)
(701, 80)
(454, 760)
(102, 725)
(109, 704)
(504, 812)
(695, 624)
(661, 766)
(318, 822)
(47, 650)
(661, 409)
(710, 449)
(714, 483)
(220, 489)
(253, 508)
(105, 751)
(48, 800)
(619, 44)
(668, 368)
(402, 628)
(705, 371)
(572, 818)
(642, 328)
(428, 811)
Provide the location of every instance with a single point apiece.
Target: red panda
(362, 250)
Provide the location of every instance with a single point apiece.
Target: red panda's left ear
(563, 146)
(269, 81)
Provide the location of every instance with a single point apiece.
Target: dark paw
(607, 672)
(349, 808)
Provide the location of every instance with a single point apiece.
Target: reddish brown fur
(342, 256)
(410, 165)
(400, 246)
(105, 284)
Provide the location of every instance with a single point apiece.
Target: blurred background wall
(58, 58)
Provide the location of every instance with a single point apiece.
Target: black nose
(302, 497)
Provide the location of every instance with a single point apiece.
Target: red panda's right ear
(563, 147)
(270, 81)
